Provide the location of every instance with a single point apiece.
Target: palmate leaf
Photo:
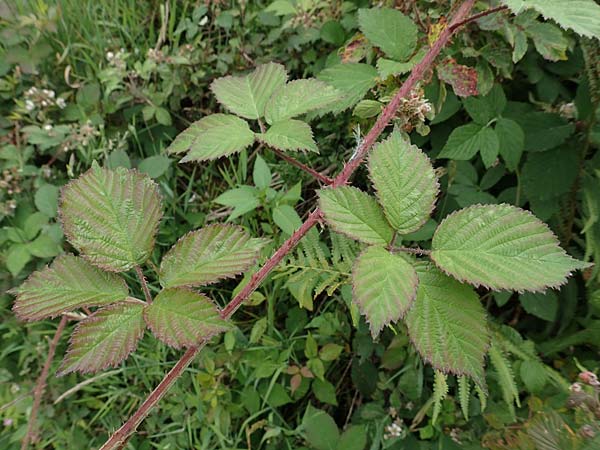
(105, 338)
(69, 283)
(289, 135)
(208, 255)
(111, 216)
(447, 324)
(501, 247)
(390, 30)
(212, 137)
(247, 96)
(182, 318)
(384, 287)
(405, 182)
(299, 97)
(356, 214)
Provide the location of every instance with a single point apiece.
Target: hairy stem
(144, 284)
(40, 386)
(119, 438)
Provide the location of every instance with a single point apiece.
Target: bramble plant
(111, 217)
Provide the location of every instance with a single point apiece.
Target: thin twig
(144, 284)
(474, 17)
(294, 162)
(40, 386)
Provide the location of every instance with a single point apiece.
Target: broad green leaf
(289, 135)
(104, 339)
(356, 214)
(261, 173)
(353, 438)
(384, 285)
(405, 181)
(183, 318)
(544, 306)
(501, 247)
(581, 16)
(550, 174)
(247, 96)
(208, 255)
(353, 80)
(549, 40)
(154, 166)
(544, 131)
(512, 142)
(212, 137)
(46, 199)
(465, 141)
(390, 30)
(69, 283)
(320, 429)
(299, 97)
(447, 324)
(534, 375)
(111, 217)
(484, 108)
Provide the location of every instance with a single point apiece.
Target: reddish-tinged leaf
(463, 79)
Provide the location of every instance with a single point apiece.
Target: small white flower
(60, 102)
(203, 21)
(110, 56)
(44, 103)
(47, 127)
(51, 94)
(29, 105)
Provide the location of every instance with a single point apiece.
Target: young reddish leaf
(182, 318)
(208, 255)
(384, 287)
(289, 135)
(501, 247)
(111, 216)
(69, 283)
(105, 339)
(463, 79)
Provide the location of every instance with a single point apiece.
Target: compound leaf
(385, 286)
(356, 214)
(501, 247)
(69, 283)
(447, 324)
(353, 80)
(105, 338)
(405, 182)
(208, 255)
(182, 318)
(289, 135)
(247, 96)
(111, 216)
(390, 30)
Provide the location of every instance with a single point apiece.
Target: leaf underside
(69, 283)
(208, 255)
(104, 339)
(353, 80)
(111, 216)
(390, 30)
(384, 286)
(182, 318)
(501, 247)
(289, 134)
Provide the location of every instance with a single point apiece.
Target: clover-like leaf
(104, 339)
(183, 318)
(405, 181)
(384, 287)
(289, 134)
(69, 283)
(501, 247)
(356, 214)
(247, 96)
(447, 324)
(111, 216)
(208, 255)
(390, 30)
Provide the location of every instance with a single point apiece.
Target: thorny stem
(120, 437)
(414, 251)
(40, 386)
(474, 17)
(144, 284)
(294, 162)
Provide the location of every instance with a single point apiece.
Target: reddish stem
(119, 438)
(142, 278)
(294, 162)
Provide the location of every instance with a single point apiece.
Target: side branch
(294, 162)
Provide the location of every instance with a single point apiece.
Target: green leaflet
(384, 287)
(440, 391)
(105, 339)
(390, 30)
(447, 324)
(208, 255)
(505, 378)
(353, 80)
(356, 214)
(465, 141)
(464, 394)
(501, 247)
(405, 181)
(511, 139)
(247, 96)
(289, 134)
(182, 318)
(111, 216)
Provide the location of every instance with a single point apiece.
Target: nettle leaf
(384, 285)
(183, 318)
(299, 97)
(212, 137)
(289, 135)
(69, 283)
(501, 247)
(208, 255)
(581, 16)
(465, 141)
(390, 30)
(104, 339)
(247, 96)
(356, 214)
(405, 182)
(111, 216)
(353, 80)
(447, 324)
